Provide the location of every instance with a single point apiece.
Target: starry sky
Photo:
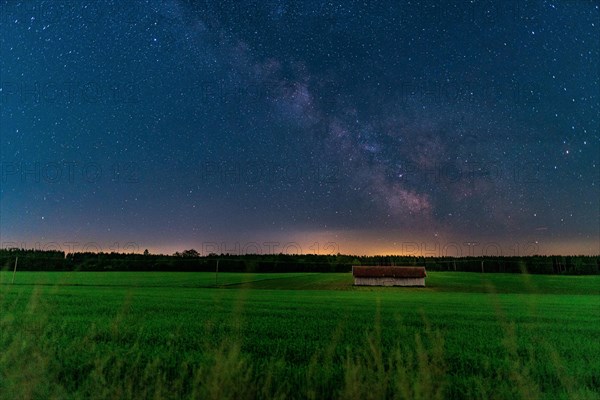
(364, 127)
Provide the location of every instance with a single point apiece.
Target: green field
(178, 335)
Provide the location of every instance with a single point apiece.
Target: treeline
(190, 260)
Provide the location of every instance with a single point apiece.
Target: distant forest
(191, 260)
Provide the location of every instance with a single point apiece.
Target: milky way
(356, 126)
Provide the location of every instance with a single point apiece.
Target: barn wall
(378, 281)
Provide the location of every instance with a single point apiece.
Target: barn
(389, 276)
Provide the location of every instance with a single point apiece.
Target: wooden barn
(389, 276)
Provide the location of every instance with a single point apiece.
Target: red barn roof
(389, 272)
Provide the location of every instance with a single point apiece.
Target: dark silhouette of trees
(192, 260)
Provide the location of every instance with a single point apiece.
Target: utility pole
(14, 270)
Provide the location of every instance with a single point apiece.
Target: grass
(463, 282)
(175, 335)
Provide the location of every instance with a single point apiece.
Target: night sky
(407, 127)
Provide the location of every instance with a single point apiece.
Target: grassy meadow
(85, 335)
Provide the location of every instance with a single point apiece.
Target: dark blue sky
(449, 127)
